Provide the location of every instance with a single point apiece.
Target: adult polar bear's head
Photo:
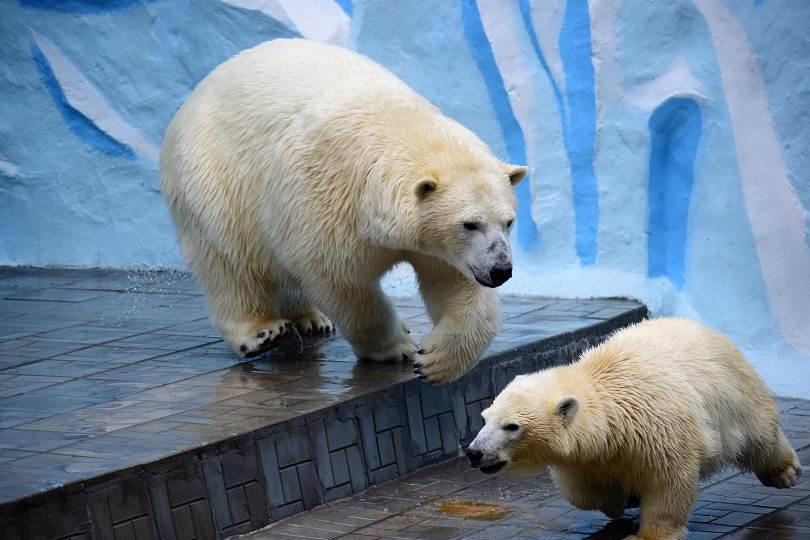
(464, 217)
(528, 425)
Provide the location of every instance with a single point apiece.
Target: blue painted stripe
(576, 55)
(512, 134)
(347, 6)
(579, 119)
(78, 123)
(675, 130)
(526, 16)
(83, 6)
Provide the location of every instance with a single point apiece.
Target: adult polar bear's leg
(293, 305)
(466, 317)
(240, 299)
(364, 316)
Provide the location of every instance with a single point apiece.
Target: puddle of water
(476, 510)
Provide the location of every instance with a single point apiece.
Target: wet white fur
(298, 173)
(644, 415)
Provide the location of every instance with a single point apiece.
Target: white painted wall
(88, 92)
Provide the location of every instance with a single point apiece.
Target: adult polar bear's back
(301, 172)
(279, 128)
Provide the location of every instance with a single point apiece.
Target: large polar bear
(640, 419)
(298, 173)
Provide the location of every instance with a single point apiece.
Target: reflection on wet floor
(449, 500)
(106, 373)
(475, 510)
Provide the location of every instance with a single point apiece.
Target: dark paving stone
(124, 415)
(730, 506)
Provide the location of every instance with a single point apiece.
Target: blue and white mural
(666, 139)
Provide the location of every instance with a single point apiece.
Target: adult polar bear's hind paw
(314, 323)
(404, 351)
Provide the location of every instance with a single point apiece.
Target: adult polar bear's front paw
(444, 357)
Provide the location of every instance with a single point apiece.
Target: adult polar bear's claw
(466, 322)
(298, 173)
(261, 340)
(314, 323)
(401, 352)
(445, 356)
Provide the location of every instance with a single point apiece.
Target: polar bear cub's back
(681, 365)
(638, 420)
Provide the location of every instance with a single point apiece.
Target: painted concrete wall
(667, 139)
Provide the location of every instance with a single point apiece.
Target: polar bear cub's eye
(509, 223)
(511, 427)
(470, 226)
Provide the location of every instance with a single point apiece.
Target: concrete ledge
(119, 395)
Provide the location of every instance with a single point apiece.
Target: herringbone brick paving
(123, 415)
(422, 506)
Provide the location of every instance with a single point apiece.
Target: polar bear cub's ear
(567, 407)
(424, 186)
(516, 173)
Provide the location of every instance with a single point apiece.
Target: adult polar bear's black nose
(500, 274)
(474, 456)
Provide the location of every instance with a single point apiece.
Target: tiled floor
(452, 501)
(111, 381)
(123, 414)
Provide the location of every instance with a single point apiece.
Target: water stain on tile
(476, 510)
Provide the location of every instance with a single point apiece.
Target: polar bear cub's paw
(785, 478)
(262, 339)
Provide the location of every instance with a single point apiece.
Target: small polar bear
(639, 420)
(298, 173)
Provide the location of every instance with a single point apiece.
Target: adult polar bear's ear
(423, 187)
(567, 407)
(516, 173)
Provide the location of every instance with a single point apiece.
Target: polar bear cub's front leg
(587, 492)
(467, 317)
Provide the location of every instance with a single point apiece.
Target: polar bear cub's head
(526, 426)
(465, 215)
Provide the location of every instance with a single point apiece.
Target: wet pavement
(123, 414)
(453, 501)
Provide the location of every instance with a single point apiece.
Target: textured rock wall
(667, 139)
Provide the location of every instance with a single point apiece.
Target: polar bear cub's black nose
(500, 274)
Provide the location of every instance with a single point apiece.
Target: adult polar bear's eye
(470, 226)
(511, 427)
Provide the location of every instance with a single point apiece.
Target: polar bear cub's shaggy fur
(640, 419)
(298, 173)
